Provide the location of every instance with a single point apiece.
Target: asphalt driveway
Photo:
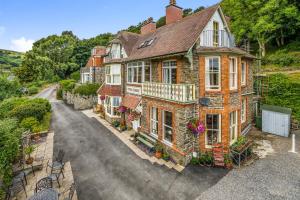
(105, 168)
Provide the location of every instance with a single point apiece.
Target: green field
(9, 59)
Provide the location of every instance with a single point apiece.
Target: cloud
(2, 30)
(22, 44)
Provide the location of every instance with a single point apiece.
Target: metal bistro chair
(44, 183)
(57, 163)
(55, 175)
(71, 190)
(17, 186)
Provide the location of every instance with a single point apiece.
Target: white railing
(219, 38)
(183, 93)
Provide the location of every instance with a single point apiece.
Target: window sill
(167, 143)
(154, 135)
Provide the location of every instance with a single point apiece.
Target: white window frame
(233, 127)
(111, 100)
(212, 129)
(154, 121)
(139, 66)
(209, 87)
(115, 51)
(244, 110)
(233, 73)
(163, 128)
(169, 71)
(243, 73)
(111, 76)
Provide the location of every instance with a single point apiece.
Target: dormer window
(115, 51)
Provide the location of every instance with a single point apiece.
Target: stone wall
(79, 102)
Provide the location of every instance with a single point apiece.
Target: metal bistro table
(46, 194)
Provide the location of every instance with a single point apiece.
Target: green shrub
(282, 58)
(75, 76)
(33, 90)
(59, 94)
(116, 123)
(45, 123)
(9, 104)
(195, 161)
(240, 141)
(206, 158)
(67, 85)
(29, 123)
(87, 89)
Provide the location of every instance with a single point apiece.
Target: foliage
(59, 94)
(206, 158)
(9, 59)
(9, 104)
(10, 136)
(242, 140)
(166, 156)
(8, 88)
(116, 123)
(75, 76)
(158, 147)
(87, 89)
(29, 150)
(33, 90)
(161, 22)
(195, 161)
(284, 91)
(29, 123)
(227, 159)
(196, 127)
(67, 85)
(264, 22)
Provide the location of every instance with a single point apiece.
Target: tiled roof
(130, 101)
(110, 90)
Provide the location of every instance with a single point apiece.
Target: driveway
(105, 168)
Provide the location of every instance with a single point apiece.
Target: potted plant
(28, 151)
(228, 161)
(166, 156)
(158, 150)
(206, 159)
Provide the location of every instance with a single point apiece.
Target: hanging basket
(122, 109)
(196, 127)
(102, 97)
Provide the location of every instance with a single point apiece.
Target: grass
(10, 59)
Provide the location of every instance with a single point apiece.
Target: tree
(187, 12)
(8, 88)
(161, 22)
(199, 9)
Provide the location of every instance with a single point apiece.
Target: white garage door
(275, 123)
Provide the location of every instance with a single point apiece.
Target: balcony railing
(219, 38)
(183, 93)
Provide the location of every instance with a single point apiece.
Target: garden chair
(23, 173)
(54, 176)
(17, 186)
(44, 183)
(58, 163)
(71, 190)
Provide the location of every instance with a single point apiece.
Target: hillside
(9, 59)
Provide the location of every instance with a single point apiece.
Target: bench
(145, 142)
(147, 137)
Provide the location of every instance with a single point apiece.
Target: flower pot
(158, 154)
(29, 161)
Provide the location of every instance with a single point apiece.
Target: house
(93, 71)
(188, 69)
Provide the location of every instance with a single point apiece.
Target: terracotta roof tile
(130, 101)
(110, 90)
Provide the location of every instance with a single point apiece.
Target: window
(112, 105)
(243, 78)
(233, 127)
(233, 73)
(139, 72)
(213, 126)
(154, 122)
(244, 111)
(146, 43)
(170, 72)
(167, 127)
(113, 74)
(212, 73)
(115, 51)
(216, 33)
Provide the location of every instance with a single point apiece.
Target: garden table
(46, 194)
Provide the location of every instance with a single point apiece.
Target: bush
(195, 161)
(67, 85)
(9, 104)
(87, 89)
(116, 123)
(282, 58)
(75, 76)
(206, 158)
(59, 94)
(33, 90)
(8, 88)
(29, 123)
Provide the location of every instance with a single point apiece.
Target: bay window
(233, 126)
(138, 72)
(212, 73)
(243, 74)
(113, 74)
(112, 105)
(169, 72)
(154, 122)
(244, 110)
(233, 73)
(213, 126)
(168, 127)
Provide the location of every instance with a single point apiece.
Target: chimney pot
(173, 12)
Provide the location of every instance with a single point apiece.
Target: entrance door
(136, 124)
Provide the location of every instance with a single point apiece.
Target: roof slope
(173, 38)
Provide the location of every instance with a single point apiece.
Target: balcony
(222, 38)
(182, 93)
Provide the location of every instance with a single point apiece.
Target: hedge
(67, 85)
(87, 89)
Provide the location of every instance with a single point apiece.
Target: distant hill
(9, 59)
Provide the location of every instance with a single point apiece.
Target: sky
(24, 21)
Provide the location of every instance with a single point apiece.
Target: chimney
(149, 26)
(173, 12)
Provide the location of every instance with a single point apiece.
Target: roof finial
(173, 2)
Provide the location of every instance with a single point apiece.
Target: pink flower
(102, 97)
